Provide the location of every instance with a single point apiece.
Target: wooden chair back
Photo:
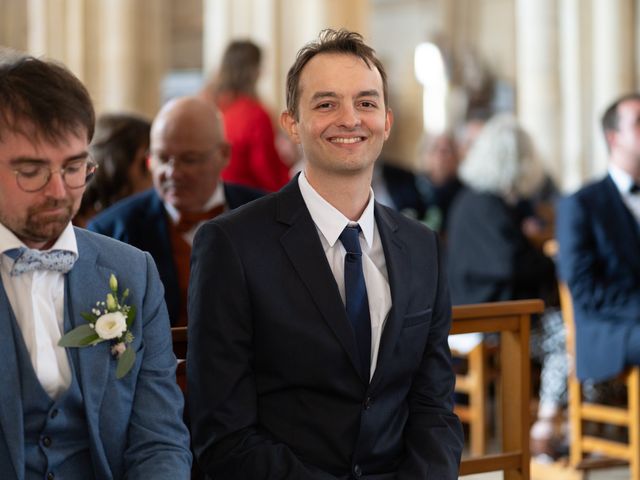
(512, 319)
(474, 383)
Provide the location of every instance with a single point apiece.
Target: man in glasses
(68, 412)
(187, 154)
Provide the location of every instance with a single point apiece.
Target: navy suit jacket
(600, 260)
(135, 423)
(274, 387)
(141, 221)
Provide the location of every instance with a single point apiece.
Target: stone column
(13, 24)
(538, 92)
(134, 54)
(612, 64)
(574, 51)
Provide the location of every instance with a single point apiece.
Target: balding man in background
(187, 153)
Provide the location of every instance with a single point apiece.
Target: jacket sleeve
(227, 438)
(433, 434)
(158, 439)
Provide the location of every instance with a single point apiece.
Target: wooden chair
(474, 383)
(582, 411)
(179, 338)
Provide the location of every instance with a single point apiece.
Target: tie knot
(28, 260)
(635, 189)
(350, 238)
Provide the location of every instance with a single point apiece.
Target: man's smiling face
(342, 118)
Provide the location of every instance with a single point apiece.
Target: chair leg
(633, 399)
(575, 421)
(477, 400)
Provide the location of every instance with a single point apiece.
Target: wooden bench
(512, 319)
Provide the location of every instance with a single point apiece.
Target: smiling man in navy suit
(319, 318)
(599, 235)
(109, 411)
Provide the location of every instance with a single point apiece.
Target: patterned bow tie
(28, 260)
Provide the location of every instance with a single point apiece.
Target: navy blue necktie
(356, 300)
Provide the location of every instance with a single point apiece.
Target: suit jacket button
(50, 476)
(357, 471)
(46, 441)
(367, 403)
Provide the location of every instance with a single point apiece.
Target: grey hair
(502, 160)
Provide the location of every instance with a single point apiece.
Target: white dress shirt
(330, 223)
(624, 182)
(216, 199)
(37, 300)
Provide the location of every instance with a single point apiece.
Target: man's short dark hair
(42, 99)
(610, 118)
(331, 41)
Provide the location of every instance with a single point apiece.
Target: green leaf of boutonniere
(81, 336)
(89, 317)
(131, 315)
(125, 362)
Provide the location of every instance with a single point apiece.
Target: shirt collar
(66, 240)
(329, 220)
(622, 179)
(217, 198)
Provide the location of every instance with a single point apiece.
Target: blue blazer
(135, 423)
(600, 260)
(275, 391)
(141, 221)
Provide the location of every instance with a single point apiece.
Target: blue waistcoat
(55, 431)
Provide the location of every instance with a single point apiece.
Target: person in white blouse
(598, 230)
(318, 318)
(67, 412)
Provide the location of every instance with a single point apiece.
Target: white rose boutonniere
(108, 320)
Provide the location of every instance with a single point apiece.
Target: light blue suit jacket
(135, 423)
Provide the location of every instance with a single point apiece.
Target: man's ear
(224, 153)
(610, 138)
(290, 125)
(388, 121)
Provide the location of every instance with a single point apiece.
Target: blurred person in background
(599, 251)
(120, 147)
(188, 151)
(439, 184)
(491, 258)
(254, 161)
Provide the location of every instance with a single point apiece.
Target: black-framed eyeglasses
(32, 177)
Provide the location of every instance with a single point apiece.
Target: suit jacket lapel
(10, 398)
(397, 261)
(86, 284)
(624, 223)
(302, 245)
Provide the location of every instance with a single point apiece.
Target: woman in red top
(254, 161)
